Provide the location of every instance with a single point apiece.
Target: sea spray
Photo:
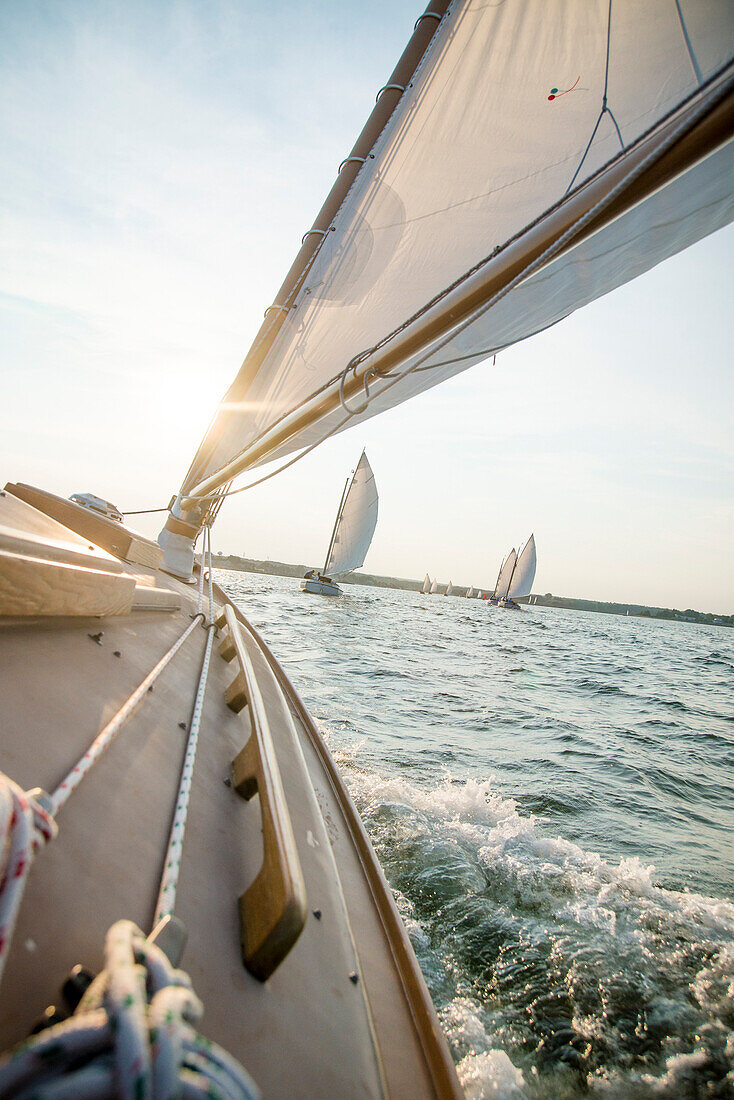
(556, 972)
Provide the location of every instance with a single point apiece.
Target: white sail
(524, 574)
(426, 584)
(356, 523)
(542, 154)
(449, 588)
(503, 580)
(434, 587)
(470, 592)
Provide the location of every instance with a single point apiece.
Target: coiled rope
(25, 826)
(132, 1036)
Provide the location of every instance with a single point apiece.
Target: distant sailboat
(522, 576)
(354, 527)
(449, 589)
(470, 592)
(434, 587)
(426, 585)
(503, 577)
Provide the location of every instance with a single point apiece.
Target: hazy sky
(161, 161)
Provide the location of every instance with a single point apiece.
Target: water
(551, 795)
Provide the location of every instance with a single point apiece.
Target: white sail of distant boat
(470, 592)
(523, 575)
(434, 587)
(355, 524)
(503, 579)
(449, 588)
(426, 585)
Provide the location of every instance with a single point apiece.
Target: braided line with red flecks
(24, 827)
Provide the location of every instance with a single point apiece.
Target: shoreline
(568, 603)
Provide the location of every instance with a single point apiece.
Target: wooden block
(25, 530)
(226, 647)
(106, 533)
(31, 586)
(236, 694)
(244, 770)
(149, 598)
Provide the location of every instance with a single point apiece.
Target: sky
(161, 162)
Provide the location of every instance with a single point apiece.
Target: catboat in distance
(354, 526)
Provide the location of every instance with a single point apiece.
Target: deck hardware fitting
(354, 977)
(50, 1017)
(97, 637)
(75, 986)
(390, 87)
(317, 914)
(118, 654)
(182, 725)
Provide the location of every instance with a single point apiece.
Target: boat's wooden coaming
(396, 988)
(310, 1030)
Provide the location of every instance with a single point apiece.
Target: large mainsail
(355, 523)
(426, 584)
(524, 573)
(503, 580)
(540, 155)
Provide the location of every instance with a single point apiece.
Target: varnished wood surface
(106, 533)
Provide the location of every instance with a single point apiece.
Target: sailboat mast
(502, 565)
(514, 567)
(347, 487)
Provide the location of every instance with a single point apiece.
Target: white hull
(321, 588)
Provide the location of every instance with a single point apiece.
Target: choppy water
(551, 795)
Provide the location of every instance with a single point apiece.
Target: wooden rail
(273, 908)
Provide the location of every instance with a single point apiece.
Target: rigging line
(604, 108)
(285, 466)
(440, 295)
(689, 44)
(172, 862)
(145, 512)
(559, 244)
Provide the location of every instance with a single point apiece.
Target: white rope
(24, 827)
(209, 570)
(131, 1036)
(200, 601)
(172, 862)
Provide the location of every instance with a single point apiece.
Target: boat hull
(320, 587)
(346, 1011)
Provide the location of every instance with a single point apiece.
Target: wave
(556, 973)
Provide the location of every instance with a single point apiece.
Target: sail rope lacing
(131, 1036)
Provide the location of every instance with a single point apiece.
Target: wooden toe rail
(273, 908)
